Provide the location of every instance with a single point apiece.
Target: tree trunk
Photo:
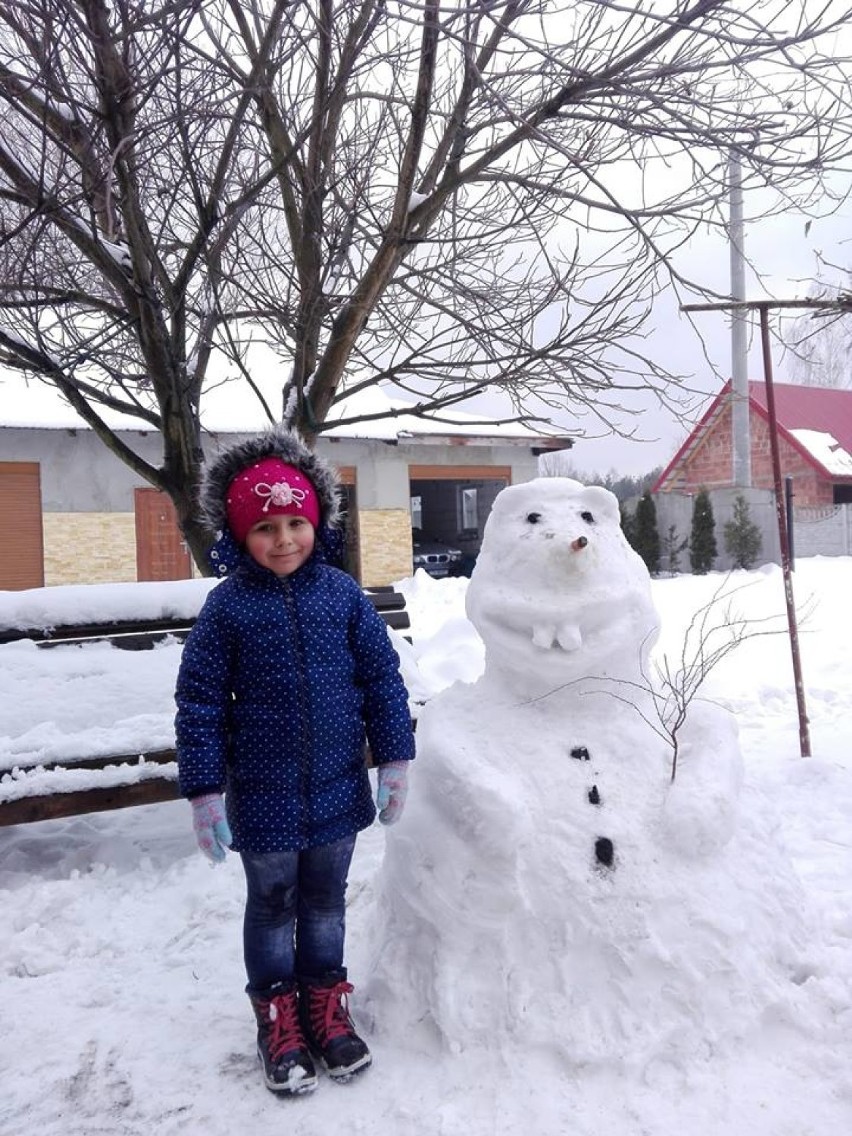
(198, 540)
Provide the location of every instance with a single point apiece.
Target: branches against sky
(448, 197)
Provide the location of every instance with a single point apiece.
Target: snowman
(551, 886)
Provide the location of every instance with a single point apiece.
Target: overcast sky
(787, 259)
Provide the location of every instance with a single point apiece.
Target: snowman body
(550, 885)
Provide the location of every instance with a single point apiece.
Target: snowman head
(557, 591)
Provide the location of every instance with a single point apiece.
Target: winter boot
(281, 1045)
(329, 1030)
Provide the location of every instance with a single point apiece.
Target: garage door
(449, 508)
(21, 539)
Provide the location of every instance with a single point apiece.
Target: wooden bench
(141, 778)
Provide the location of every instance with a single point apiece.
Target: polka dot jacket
(280, 682)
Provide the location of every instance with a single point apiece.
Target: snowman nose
(579, 543)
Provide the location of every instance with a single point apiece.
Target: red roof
(810, 408)
(825, 409)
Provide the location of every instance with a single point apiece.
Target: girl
(286, 672)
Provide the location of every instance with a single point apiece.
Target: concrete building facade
(86, 510)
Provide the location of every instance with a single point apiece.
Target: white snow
(228, 409)
(118, 251)
(826, 450)
(43, 608)
(121, 976)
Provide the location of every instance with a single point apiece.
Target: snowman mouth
(561, 637)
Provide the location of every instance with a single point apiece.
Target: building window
(416, 508)
(468, 513)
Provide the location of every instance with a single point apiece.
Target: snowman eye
(533, 518)
(588, 518)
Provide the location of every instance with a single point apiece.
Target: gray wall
(816, 532)
(676, 509)
(823, 532)
(80, 475)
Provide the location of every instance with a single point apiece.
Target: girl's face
(282, 543)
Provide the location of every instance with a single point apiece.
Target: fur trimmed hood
(277, 442)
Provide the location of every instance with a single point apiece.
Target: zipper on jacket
(302, 682)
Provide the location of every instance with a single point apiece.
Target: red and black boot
(328, 1028)
(281, 1045)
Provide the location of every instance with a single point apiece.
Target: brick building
(814, 437)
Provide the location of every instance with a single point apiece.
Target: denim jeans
(295, 917)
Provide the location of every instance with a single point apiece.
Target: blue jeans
(295, 918)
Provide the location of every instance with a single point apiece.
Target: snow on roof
(229, 408)
(33, 404)
(404, 426)
(825, 449)
(827, 409)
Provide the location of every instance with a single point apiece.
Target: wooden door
(161, 552)
(21, 538)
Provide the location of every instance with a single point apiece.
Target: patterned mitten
(393, 787)
(211, 826)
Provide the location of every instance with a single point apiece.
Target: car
(434, 556)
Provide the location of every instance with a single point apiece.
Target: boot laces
(330, 1011)
(285, 1033)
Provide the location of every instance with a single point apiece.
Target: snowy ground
(120, 970)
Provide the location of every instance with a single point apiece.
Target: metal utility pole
(780, 509)
(740, 431)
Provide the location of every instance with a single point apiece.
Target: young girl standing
(286, 672)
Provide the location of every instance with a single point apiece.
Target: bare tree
(475, 204)
(820, 343)
(120, 195)
(450, 198)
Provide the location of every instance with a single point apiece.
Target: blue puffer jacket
(279, 681)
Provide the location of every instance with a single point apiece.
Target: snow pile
(445, 647)
(121, 978)
(44, 608)
(105, 701)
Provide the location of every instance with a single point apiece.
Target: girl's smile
(281, 543)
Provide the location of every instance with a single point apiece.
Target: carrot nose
(579, 543)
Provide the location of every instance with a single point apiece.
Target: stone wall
(384, 538)
(100, 548)
(89, 548)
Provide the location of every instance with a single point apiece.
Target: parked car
(436, 557)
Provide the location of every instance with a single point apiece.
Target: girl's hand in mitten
(393, 787)
(211, 826)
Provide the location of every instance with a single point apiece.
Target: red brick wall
(710, 465)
